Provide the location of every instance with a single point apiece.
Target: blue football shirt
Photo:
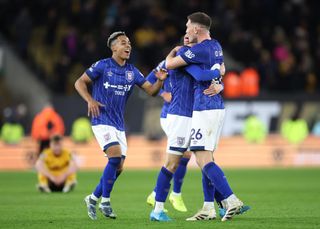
(112, 86)
(182, 90)
(205, 54)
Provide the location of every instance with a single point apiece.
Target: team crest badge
(129, 76)
(180, 141)
(107, 137)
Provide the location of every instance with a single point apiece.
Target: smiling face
(121, 47)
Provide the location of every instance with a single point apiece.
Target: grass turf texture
(280, 198)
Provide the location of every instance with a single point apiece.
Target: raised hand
(161, 74)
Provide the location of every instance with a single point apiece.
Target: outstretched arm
(153, 89)
(173, 61)
(203, 75)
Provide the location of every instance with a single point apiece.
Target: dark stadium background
(57, 40)
(46, 45)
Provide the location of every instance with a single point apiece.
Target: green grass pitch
(280, 198)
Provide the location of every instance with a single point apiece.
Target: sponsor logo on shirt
(189, 54)
(129, 76)
(119, 89)
(218, 53)
(93, 66)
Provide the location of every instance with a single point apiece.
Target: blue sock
(218, 196)
(218, 179)
(109, 176)
(163, 184)
(179, 174)
(208, 188)
(98, 191)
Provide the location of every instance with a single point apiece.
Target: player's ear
(113, 47)
(195, 29)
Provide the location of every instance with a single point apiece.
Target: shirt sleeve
(151, 77)
(202, 75)
(162, 64)
(199, 54)
(139, 77)
(195, 55)
(95, 71)
(218, 54)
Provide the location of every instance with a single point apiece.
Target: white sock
(232, 198)
(104, 199)
(175, 194)
(153, 193)
(224, 203)
(208, 205)
(92, 196)
(159, 206)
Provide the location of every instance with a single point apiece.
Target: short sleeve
(218, 53)
(195, 55)
(96, 70)
(162, 64)
(151, 77)
(138, 77)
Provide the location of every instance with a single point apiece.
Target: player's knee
(198, 162)
(113, 151)
(201, 162)
(187, 154)
(172, 165)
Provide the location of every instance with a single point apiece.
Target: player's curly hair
(114, 36)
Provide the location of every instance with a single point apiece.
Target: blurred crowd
(59, 39)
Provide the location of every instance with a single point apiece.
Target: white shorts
(178, 132)
(108, 136)
(206, 129)
(163, 123)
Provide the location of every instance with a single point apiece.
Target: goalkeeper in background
(56, 168)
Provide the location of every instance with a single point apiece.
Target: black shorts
(55, 188)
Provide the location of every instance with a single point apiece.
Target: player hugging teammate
(194, 118)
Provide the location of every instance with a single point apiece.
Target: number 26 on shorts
(196, 134)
